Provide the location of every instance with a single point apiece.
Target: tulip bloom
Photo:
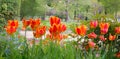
(58, 37)
(91, 44)
(104, 27)
(102, 38)
(81, 30)
(56, 29)
(10, 29)
(34, 23)
(93, 24)
(25, 23)
(92, 35)
(111, 38)
(54, 20)
(39, 32)
(117, 30)
(62, 27)
(13, 23)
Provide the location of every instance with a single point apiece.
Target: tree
(33, 8)
(8, 9)
(111, 6)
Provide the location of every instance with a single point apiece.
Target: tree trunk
(67, 17)
(67, 13)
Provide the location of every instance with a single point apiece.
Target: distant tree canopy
(33, 8)
(111, 6)
(8, 9)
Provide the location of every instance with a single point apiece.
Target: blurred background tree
(111, 6)
(65, 9)
(8, 10)
(33, 8)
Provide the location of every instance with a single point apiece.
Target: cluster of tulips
(55, 29)
(100, 32)
(104, 27)
(12, 26)
(38, 30)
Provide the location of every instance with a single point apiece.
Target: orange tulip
(104, 27)
(81, 30)
(10, 29)
(13, 23)
(39, 32)
(54, 20)
(25, 23)
(91, 44)
(56, 29)
(102, 38)
(92, 35)
(117, 30)
(61, 27)
(35, 23)
(93, 24)
(111, 38)
(57, 37)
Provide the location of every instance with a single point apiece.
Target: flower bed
(95, 39)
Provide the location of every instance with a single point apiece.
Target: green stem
(26, 45)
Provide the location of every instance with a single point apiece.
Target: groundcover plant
(91, 40)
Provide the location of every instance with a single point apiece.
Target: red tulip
(35, 23)
(117, 30)
(54, 20)
(93, 24)
(25, 23)
(81, 30)
(13, 23)
(111, 38)
(10, 29)
(92, 35)
(53, 29)
(62, 27)
(56, 29)
(102, 38)
(91, 44)
(39, 32)
(104, 27)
